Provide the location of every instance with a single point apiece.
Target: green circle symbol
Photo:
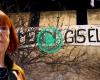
(50, 39)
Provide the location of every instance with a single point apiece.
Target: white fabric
(92, 3)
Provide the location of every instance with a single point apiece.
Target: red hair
(6, 21)
(13, 44)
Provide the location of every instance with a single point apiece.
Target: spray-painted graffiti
(27, 37)
(73, 35)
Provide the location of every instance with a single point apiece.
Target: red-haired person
(8, 44)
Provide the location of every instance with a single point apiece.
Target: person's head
(8, 36)
(9, 43)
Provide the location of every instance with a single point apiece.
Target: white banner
(73, 35)
(81, 34)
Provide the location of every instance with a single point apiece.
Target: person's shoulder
(19, 71)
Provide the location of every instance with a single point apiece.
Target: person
(9, 70)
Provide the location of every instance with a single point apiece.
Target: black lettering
(21, 37)
(90, 35)
(30, 37)
(97, 36)
(75, 36)
(81, 36)
(66, 37)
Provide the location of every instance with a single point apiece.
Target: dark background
(45, 5)
(36, 6)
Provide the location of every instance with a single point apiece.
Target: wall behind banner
(93, 17)
(71, 62)
(57, 18)
(20, 19)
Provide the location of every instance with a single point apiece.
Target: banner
(72, 35)
(82, 35)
